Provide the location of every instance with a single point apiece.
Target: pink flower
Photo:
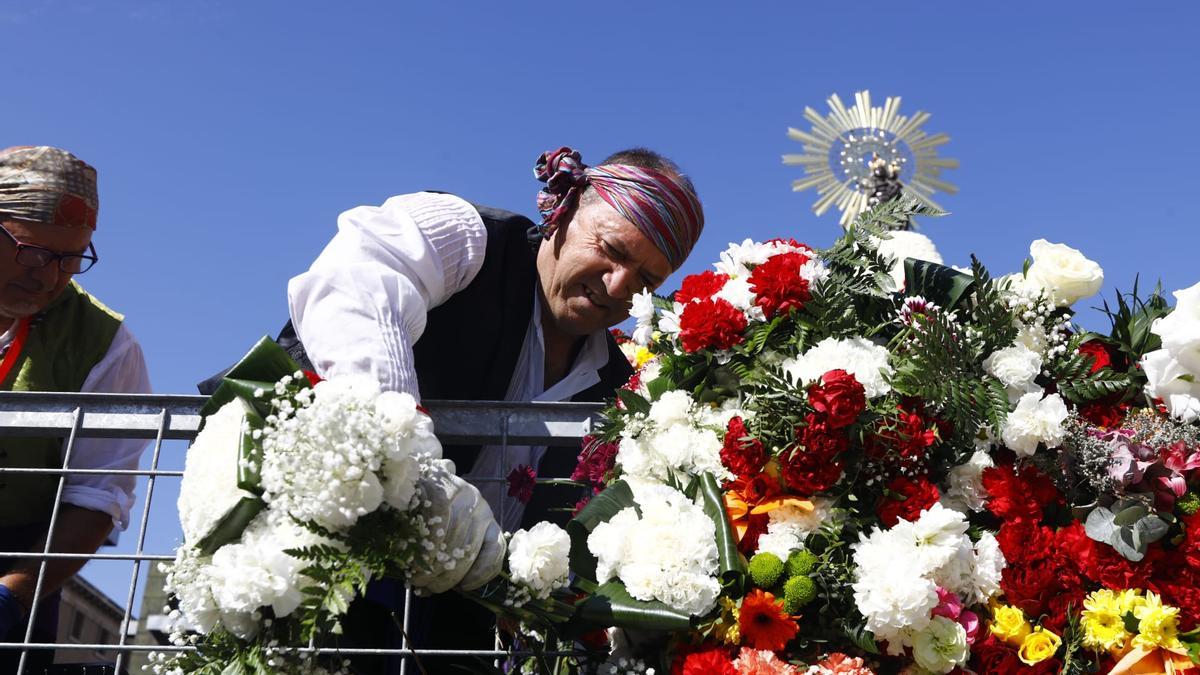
(840, 664)
(520, 483)
(951, 607)
(762, 662)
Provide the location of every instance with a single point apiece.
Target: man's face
(592, 266)
(25, 291)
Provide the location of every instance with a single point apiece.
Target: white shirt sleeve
(123, 371)
(362, 304)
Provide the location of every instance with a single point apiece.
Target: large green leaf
(260, 368)
(732, 572)
(600, 509)
(611, 605)
(250, 456)
(231, 526)
(939, 284)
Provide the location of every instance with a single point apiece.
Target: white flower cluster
(738, 260)
(1016, 367)
(668, 553)
(209, 489)
(1036, 419)
(539, 558)
(903, 245)
(345, 450)
(678, 437)
(865, 360)
(789, 527)
(1173, 372)
(899, 571)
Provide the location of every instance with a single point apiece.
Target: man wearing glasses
(54, 336)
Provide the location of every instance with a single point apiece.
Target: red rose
(839, 397)
(700, 286)
(742, 454)
(778, 285)
(993, 657)
(912, 497)
(1100, 357)
(711, 325)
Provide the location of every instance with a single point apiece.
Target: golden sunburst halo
(840, 147)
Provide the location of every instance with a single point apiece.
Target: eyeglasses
(30, 255)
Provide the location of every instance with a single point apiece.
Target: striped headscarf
(47, 185)
(661, 206)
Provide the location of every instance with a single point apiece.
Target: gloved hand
(11, 611)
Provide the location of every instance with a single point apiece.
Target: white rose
(904, 245)
(538, 558)
(941, 646)
(1016, 367)
(1180, 330)
(1063, 272)
(1035, 420)
(1168, 380)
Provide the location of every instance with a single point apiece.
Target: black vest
(472, 341)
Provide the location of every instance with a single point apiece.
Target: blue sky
(229, 135)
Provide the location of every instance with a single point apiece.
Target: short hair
(646, 159)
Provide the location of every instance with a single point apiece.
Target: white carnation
(1064, 273)
(209, 487)
(788, 527)
(737, 260)
(538, 558)
(964, 484)
(896, 601)
(989, 565)
(668, 554)
(903, 245)
(1016, 367)
(1035, 420)
(867, 361)
(672, 407)
(681, 439)
(642, 311)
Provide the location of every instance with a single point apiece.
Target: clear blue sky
(229, 135)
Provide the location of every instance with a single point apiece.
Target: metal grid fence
(167, 418)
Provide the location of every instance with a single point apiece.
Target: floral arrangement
(859, 460)
(299, 492)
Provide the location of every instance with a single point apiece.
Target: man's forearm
(78, 530)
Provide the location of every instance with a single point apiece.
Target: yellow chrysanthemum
(1009, 624)
(1157, 624)
(725, 628)
(1104, 619)
(641, 357)
(1038, 646)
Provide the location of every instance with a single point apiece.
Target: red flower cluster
(907, 435)
(1041, 575)
(839, 398)
(813, 465)
(700, 286)
(709, 324)
(595, 461)
(521, 482)
(992, 656)
(703, 661)
(778, 285)
(906, 498)
(1100, 357)
(1023, 495)
(742, 454)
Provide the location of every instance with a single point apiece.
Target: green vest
(71, 337)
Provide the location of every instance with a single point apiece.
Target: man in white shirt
(54, 336)
(432, 295)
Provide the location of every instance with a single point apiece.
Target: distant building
(87, 616)
(153, 628)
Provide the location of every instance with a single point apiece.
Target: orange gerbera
(763, 623)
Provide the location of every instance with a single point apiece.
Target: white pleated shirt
(363, 303)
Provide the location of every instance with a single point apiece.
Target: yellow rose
(1038, 646)
(1009, 624)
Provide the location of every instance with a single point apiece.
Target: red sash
(14, 350)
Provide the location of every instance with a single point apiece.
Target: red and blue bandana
(659, 205)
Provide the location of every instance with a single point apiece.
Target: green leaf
(634, 403)
(732, 572)
(600, 509)
(231, 525)
(1130, 515)
(611, 605)
(250, 455)
(939, 284)
(658, 386)
(265, 363)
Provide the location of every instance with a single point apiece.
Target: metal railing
(162, 419)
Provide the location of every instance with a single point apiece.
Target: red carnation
(911, 497)
(594, 462)
(755, 528)
(909, 433)
(778, 285)
(520, 483)
(812, 466)
(711, 325)
(700, 286)
(839, 397)
(1100, 357)
(742, 454)
(1104, 413)
(1018, 496)
(710, 661)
